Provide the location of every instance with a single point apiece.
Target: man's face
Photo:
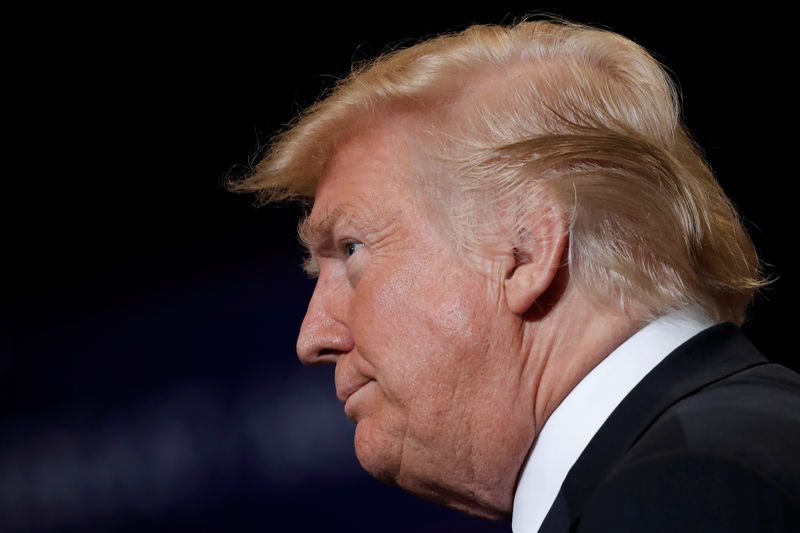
(420, 338)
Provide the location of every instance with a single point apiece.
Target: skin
(448, 364)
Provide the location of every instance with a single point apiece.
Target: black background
(147, 371)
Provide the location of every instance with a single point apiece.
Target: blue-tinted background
(147, 372)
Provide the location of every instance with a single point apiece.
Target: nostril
(321, 357)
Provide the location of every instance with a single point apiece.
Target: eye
(351, 247)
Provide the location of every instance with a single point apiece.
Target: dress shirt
(575, 421)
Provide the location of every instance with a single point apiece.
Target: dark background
(147, 372)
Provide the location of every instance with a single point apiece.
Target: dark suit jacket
(708, 441)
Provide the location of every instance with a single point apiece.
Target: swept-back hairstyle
(546, 109)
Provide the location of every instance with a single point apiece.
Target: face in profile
(416, 332)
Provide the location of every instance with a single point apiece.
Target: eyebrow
(314, 234)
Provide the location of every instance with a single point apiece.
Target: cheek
(428, 303)
(428, 331)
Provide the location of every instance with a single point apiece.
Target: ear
(537, 257)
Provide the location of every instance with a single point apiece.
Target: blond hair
(578, 115)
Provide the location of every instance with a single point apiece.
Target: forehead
(367, 174)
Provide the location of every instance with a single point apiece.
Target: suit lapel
(710, 356)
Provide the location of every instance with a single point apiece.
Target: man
(527, 277)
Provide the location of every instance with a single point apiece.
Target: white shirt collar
(575, 421)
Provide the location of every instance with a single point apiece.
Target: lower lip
(352, 400)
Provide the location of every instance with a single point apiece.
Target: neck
(555, 350)
(566, 344)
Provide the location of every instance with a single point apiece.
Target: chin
(381, 456)
(378, 453)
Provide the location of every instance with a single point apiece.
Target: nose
(323, 335)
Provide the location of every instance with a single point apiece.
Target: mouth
(344, 393)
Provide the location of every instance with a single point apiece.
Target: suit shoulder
(689, 491)
(758, 407)
(750, 419)
(766, 397)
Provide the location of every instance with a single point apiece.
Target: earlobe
(536, 262)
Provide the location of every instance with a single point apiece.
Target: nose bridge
(324, 334)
